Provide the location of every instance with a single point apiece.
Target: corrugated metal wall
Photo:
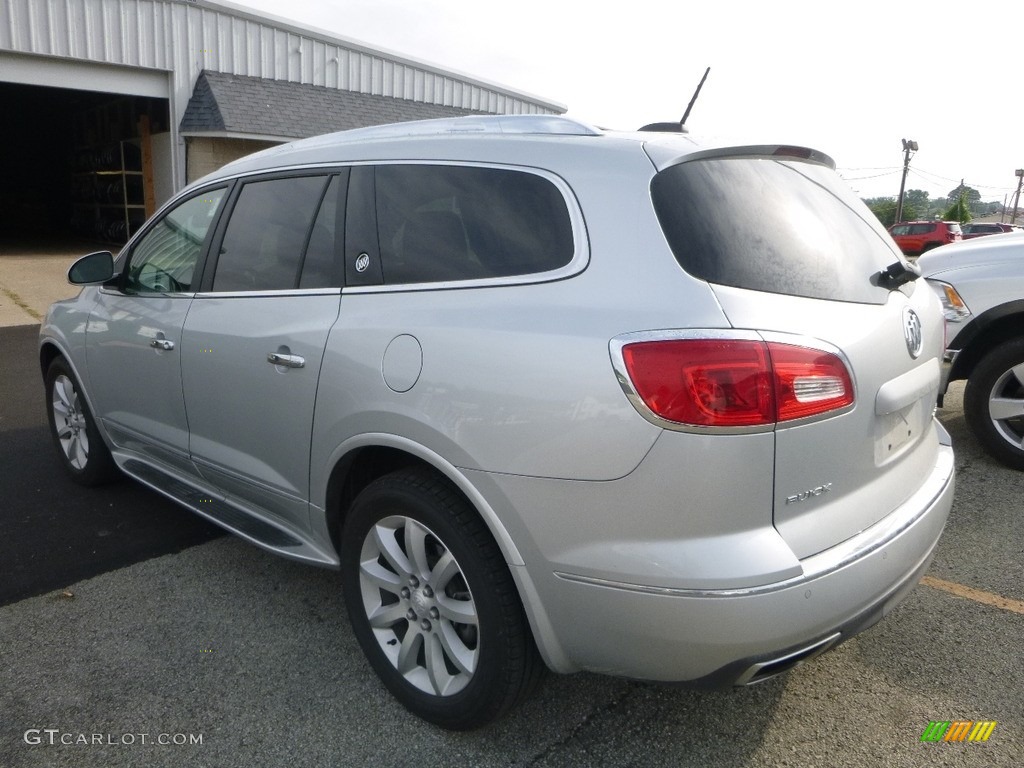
(184, 37)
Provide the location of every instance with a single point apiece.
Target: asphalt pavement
(52, 531)
(130, 638)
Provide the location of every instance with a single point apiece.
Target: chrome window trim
(147, 294)
(616, 345)
(226, 294)
(268, 293)
(581, 242)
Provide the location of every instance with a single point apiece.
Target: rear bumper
(709, 637)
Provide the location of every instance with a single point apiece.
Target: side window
(164, 260)
(441, 223)
(900, 229)
(318, 264)
(266, 235)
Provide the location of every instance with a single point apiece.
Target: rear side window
(772, 225)
(266, 236)
(921, 229)
(444, 223)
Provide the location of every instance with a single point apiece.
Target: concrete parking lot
(223, 655)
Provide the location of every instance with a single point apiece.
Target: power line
(924, 174)
(876, 176)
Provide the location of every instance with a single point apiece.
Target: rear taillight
(735, 382)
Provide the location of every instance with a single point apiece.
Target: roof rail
(469, 125)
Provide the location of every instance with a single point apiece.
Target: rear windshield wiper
(898, 273)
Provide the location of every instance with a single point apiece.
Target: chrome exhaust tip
(765, 670)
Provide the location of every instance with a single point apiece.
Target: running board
(254, 529)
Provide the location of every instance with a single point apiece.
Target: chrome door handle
(165, 344)
(288, 361)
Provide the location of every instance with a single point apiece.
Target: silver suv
(547, 396)
(981, 286)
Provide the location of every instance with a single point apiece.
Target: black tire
(417, 629)
(994, 381)
(82, 452)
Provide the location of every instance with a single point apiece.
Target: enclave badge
(912, 332)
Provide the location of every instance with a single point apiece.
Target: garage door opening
(78, 166)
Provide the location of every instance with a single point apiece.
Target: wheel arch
(986, 332)
(48, 352)
(363, 459)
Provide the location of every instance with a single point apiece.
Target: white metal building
(109, 106)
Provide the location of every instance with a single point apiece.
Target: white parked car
(981, 285)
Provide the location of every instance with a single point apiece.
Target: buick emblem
(912, 332)
(362, 262)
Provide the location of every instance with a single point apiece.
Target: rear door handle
(287, 361)
(164, 344)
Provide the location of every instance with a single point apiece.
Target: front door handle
(165, 344)
(287, 361)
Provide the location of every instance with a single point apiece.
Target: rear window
(772, 225)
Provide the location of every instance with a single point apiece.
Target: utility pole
(1016, 197)
(909, 145)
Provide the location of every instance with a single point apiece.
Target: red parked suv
(916, 237)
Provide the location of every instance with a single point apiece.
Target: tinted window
(921, 229)
(900, 229)
(440, 223)
(318, 263)
(770, 225)
(165, 259)
(266, 235)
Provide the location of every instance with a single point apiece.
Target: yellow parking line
(19, 303)
(1016, 606)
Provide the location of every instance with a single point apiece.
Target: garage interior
(80, 166)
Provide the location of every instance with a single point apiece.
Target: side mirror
(95, 268)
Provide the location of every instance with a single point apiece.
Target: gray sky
(850, 79)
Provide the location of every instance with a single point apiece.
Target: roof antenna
(679, 127)
(693, 100)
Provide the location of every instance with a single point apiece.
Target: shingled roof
(237, 106)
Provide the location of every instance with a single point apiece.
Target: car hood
(990, 249)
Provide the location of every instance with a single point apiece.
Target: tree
(918, 199)
(884, 209)
(959, 211)
(970, 194)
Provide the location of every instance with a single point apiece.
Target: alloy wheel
(70, 422)
(419, 606)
